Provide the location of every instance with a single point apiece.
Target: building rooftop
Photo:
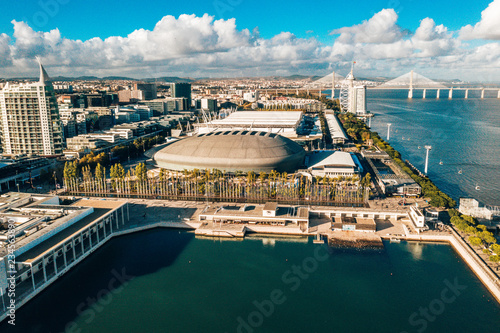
(261, 119)
(331, 158)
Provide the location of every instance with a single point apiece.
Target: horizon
(231, 39)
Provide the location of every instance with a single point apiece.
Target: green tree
(141, 172)
(366, 181)
(475, 241)
(162, 175)
(495, 259)
(99, 171)
(262, 177)
(495, 248)
(251, 176)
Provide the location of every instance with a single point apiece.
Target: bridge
(413, 81)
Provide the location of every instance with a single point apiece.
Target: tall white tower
(333, 86)
(428, 148)
(352, 98)
(30, 118)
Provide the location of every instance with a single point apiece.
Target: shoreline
(482, 271)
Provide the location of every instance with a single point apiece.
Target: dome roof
(232, 151)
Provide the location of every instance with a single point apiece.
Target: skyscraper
(179, 90)
(30, 118)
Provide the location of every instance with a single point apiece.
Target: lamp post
(427, 148)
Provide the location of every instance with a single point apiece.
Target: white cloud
(5, 53)
(201, 46)
(488, 27)
(381, 28)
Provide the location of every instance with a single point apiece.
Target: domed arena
(233, 151)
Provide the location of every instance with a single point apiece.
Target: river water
(174, 282)
(464, 135)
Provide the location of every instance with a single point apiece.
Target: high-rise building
(209, 104)
(179, 90)
(352, 97)
(30, 118)
(148, 89)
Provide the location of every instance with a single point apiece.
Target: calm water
(184, 284)
(464, 135)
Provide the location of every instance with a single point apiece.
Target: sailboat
(460, 171)
(419, 147)
(440, 162)
(477, 188)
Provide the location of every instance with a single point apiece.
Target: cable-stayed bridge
(413, 81)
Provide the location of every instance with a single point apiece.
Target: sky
(443, 39)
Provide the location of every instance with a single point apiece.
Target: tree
(475, 241)
(251, 177)
(141, 172)
(366, 181)
(70, 170)
(162, 174)
(99, 171)
(273, 175)
(262, 177)
(495, 248)
(495, 259)
(487, 237)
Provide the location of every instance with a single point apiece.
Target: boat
(477, 188)
(419, 147)
(403, 137)
(460, 171)
(395, 240)
(440, 162)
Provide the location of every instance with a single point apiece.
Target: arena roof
(261, 119)
(231, 151)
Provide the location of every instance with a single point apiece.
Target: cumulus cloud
(5, 53)
(488, 27)
(431, 40)
(381, 28)
(190, 45)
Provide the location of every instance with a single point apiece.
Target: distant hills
(176, 79)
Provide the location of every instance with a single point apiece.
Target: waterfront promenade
(149, 214)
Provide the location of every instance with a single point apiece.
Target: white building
(353, 98)
(252, 96)
(283, 122)
(417, 217)
(333, 164)
(30, 118)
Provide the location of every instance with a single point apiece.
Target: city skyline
(230, 39)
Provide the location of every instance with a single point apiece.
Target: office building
(182, 90)
(209, 104)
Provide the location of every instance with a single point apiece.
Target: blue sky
(297, 30)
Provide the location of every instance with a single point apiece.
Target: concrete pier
(425, 92)
(438, 92)
(466, 93)
(410, 94)
(450, 94)
(482, 93)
